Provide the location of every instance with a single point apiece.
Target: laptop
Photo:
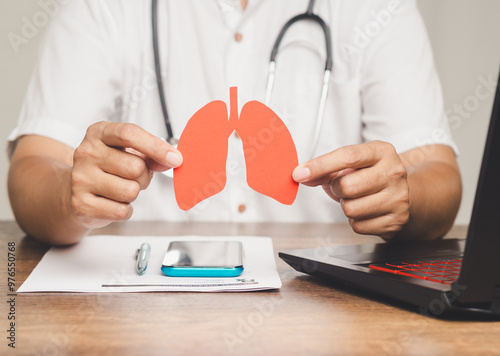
(445, 277)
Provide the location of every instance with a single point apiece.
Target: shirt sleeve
(401, 94)
(76, 80)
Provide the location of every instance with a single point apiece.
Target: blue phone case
(203, 258)
(201, 271)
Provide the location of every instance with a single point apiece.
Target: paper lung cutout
(270, 154)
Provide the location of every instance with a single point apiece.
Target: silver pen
(143, 258)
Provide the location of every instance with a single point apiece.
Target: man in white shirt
(88, 137)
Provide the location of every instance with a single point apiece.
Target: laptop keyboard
(441, 270)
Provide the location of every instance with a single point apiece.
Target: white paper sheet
(106, 263)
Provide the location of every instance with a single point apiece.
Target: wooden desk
(306, 316)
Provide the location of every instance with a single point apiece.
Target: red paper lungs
(270, 153)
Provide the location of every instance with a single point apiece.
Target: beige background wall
(464, 35)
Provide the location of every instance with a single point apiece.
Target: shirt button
(242, 208)
(238, 37)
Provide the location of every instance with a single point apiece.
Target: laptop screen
(481, 263)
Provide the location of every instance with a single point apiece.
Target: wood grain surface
(307, 316)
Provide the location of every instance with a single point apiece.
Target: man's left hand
(370, 182)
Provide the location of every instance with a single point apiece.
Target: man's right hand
(114, 162)
(57, 194)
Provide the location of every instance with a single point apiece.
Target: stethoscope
(308, 15)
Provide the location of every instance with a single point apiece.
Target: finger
(328, 190)
(129, 135)
(358, 183)
(117, 188)
(94, 181)
(151, 164)
(126, 165)
(157, 167)
(327, 187)
(369, 206)
(385, 226)
(91, 207)
(91, 223)
(321, 170)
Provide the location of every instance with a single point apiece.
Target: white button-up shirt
(96, 63)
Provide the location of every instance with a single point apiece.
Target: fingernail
(174, 159)
(301, 174)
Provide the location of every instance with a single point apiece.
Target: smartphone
(203, 259)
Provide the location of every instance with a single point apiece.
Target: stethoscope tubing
(154, 21)
(308, 16)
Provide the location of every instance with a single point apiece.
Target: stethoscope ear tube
(328, 67)
(154, 21)
(321, 111)
(319, 21)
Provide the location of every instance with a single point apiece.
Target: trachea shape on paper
(270, 154)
